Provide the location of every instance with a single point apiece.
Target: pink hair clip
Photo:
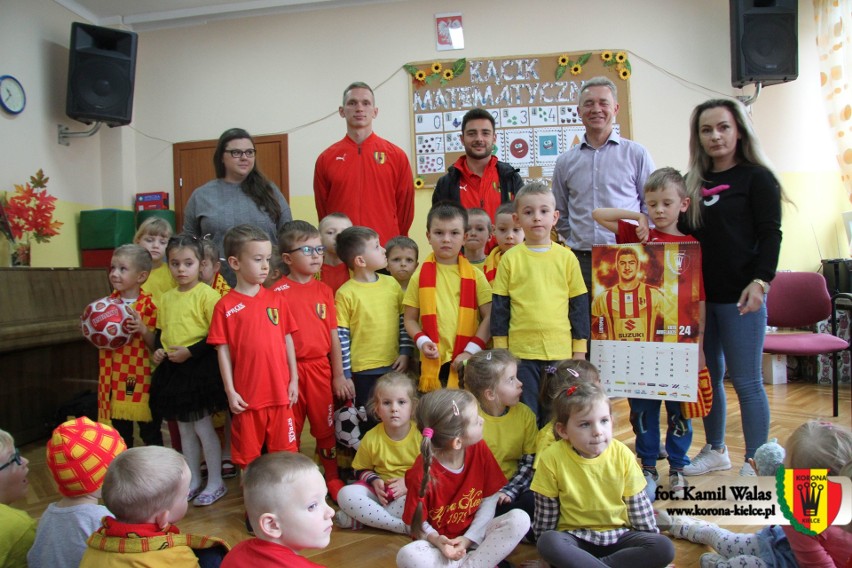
(573, 373)
(428, 432)
(455, 409)
(570, 390)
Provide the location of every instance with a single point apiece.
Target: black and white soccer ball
(347, 421)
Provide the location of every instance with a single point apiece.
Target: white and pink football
(105, 321)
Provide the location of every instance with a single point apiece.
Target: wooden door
(193, 167)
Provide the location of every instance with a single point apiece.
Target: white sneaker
(664, 520)
(708, 460)
(710, 559)
(677, 484)
(344, 521)
(685, 527)
(747, 471)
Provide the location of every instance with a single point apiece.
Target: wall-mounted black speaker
(764, 41)
(101, 71)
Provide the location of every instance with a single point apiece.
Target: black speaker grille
(769, 44)
(102, 85)
(101, 72)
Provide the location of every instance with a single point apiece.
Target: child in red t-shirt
(318, 355)
(666, 200)
(452, 489)
(285, 499)
(334, 272)
(251, 330)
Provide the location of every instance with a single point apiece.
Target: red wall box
(96, 258)
(154, 200)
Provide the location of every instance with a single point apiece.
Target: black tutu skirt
(188, 391)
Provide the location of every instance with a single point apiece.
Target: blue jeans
(529, 373)
(737, 341)
(645, 418)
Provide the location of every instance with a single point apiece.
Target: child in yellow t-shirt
(19, 529)
(509, 426)
(589, 498)
(369, 322)
(153, 235)
(448, 302)
(477, 237)
(507, 233)
(541, 308)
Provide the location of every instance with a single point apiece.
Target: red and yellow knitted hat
(78, 454)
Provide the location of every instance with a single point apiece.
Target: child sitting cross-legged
(146, 489)
(510, 426)
(284, 494)
(453, 488)
(18, 528)
(78, 454)
(387, 451)
(813, 445)
(590, 507)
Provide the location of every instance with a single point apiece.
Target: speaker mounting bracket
(748, 101)
(65, 135)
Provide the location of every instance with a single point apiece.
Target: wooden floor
(791, 404)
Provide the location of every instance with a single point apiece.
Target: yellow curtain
(834, 46)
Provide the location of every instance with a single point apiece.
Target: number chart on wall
(645, 317)
(533, 100)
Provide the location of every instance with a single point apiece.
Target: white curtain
(834, 46)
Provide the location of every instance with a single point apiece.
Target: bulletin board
(645, 319)
(533, 99)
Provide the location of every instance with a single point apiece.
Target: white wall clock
(13, 99)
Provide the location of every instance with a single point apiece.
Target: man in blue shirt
(604, 170)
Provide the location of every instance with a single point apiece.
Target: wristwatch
(763, 284)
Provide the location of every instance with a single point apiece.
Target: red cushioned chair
(800, 299)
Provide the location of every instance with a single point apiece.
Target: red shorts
(273, 425)
(316, 401)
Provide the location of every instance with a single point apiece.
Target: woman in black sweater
(736, 215)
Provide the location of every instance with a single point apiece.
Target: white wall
(283, 73)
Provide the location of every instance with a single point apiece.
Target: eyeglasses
(16, 458)
(240, 153)
(308, 251)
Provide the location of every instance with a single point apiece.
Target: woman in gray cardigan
(239, 194)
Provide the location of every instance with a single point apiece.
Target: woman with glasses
(240, 194)
(17, 529)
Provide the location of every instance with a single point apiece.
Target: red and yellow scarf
(491, 263)
(467, 324)
(115, 536)
(220, 285)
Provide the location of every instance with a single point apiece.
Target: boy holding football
(124, 375)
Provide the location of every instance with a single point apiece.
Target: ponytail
(441, 417)
(427, 451)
